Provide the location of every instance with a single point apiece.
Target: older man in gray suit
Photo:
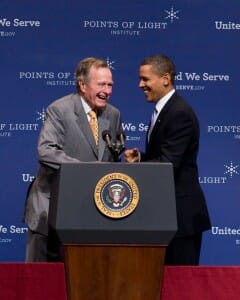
(66, 137)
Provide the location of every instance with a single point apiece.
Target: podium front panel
(77, 219)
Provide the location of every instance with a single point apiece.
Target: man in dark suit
(174, 137)
(66, 137)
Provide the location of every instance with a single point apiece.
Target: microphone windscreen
(121, 134)
(106, 133)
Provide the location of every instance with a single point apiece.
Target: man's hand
(132, 155)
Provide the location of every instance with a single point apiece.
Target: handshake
(130, 155)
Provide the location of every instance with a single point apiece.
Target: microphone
(107, 138)
(115, 148)
(121, 137)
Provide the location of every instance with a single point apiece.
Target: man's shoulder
(112, 109)
(70, 97)
(67, 101)
(112, 112)
(181, 107)
(180, 101)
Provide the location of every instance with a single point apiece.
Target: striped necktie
(93, 122)
(153, 120)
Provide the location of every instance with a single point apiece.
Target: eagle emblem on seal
(116, 195)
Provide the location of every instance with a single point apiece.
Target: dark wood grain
(114, 272)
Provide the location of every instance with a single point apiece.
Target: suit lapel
(103, 124)
(83, 123)
(161, 115)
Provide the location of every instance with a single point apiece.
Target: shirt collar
(162, 102)
(86, 107)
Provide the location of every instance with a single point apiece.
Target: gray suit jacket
(66, 137)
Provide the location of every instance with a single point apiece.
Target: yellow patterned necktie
(94, 124)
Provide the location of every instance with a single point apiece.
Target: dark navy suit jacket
(175, 139)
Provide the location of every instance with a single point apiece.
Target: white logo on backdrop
(27, 177)
(196, 80)
(227, 231)
(110, 63)
(41, 115)
(7, 24)
(8, 129)
(172, 14)
(51, 78)
(233, 130)
(12, 230)
(130, 27)
(231, 169)
(229, 26)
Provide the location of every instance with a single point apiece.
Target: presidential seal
(116, 195)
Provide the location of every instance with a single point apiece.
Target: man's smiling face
(154, 85)
(98, 88)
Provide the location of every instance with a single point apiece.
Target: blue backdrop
(41, 44)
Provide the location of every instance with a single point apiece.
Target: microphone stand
(116, 150)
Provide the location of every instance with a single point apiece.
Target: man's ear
(167, 79)
(82, 85)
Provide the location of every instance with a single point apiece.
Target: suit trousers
(42, 248)
(184, 250)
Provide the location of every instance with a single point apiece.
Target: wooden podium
(113, 258)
